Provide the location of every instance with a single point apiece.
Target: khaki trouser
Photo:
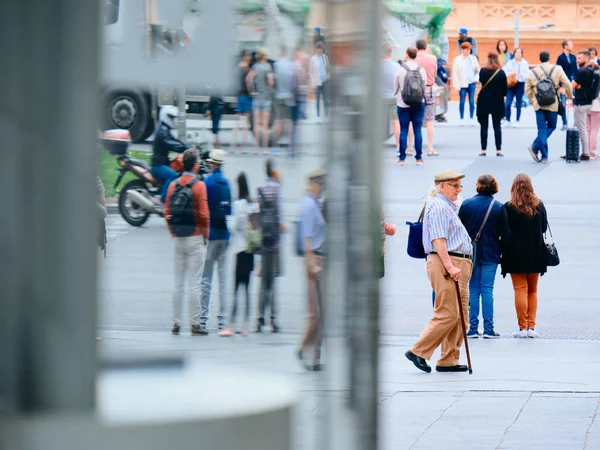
(190, 254)
(445, 328)
(314, 330)
(581, 121)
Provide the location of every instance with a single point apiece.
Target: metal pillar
(48, 165)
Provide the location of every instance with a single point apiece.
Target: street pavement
(535, 394)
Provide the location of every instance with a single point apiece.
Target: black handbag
(552, 259)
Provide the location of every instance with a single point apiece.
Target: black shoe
(318, 367)
(274, 327)
(261, 323)
(197, 330)
(300, 357)
(457, 368)
(419, 362)
(175, 330)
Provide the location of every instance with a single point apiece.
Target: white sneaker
(517, 125)
(473, 122)
(505, 123)
(532, 334)
(463, 123)
(522, 334)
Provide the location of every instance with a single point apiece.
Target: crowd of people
(206, 224)
(491, 87)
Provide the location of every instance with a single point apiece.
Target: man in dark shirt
(568, 62)
(582, 85)
(463, 36)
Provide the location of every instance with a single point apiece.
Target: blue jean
(482, 285)
(463, 95)
(414, 114)
(546, 124)
(322, 92)
(517, 92)
(563, 100)
(166, 175)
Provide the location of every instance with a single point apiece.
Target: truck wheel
(128, 111)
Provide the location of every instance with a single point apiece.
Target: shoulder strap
(487, 215)
(491, 78)
(422, 215)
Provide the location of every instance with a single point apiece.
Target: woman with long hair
(524, 256)
(491, 101)
(504, 55)
(518, 69)
(244, 264)
(244, 103)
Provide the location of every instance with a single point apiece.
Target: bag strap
(422, 215)
(487, 215)
(490, 79)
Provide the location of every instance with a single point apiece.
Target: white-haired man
(449, 252)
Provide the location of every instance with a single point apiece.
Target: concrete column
(48, 164)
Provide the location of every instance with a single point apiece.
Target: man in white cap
(219, 204)
(449, 252)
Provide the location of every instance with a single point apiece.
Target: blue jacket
(218, 195)
(569, 65)
(472, 213)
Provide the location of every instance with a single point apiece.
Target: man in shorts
(261, 81)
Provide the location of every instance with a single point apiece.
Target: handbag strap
(490, 79)
(422, 215)
(487, 215)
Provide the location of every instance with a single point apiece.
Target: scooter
(140, 198)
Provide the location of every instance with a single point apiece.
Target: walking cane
(462, 321)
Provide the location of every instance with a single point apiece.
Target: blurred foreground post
(353, 202)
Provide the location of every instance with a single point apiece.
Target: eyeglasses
(455, 186)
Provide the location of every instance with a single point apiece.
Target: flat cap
(316, 173)
(448, 175)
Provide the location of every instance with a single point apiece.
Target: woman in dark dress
(524, 256)
(490, 101)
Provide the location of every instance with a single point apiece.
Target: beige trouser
(581, 121)
(314, 329)
(445, 328)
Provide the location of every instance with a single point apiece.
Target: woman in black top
(494, 88)
(524, 255)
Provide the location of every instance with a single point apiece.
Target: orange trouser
(445, 328)
(526, 298)
(313, 337)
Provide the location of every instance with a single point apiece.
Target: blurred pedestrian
(593, 125)
(428, 62)
(318, 73)
(546, 116)
(313, 231)
(269, 198)
(219, 204)
(389, 68)
(463, 36)
(187, 216)
(449, 252)
(244, 104)
(490, 101)
(409, 84)
(244, 260)
(568, 62)
(504, 54)
(524, 255)
(214, 109)
(485, 221)
(260, 82)
(285, 96)
(517, 71)
(465, 74)
(301, 62)
(594, 55)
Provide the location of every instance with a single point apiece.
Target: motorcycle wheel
(133, 213)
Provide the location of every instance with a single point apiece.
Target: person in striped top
(449, 252)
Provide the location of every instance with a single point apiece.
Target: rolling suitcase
(573, 142)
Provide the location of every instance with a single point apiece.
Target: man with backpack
(542, 88)
(409, 84)
(269, 198)
(219, 205)
(186, 212)
(586, 85)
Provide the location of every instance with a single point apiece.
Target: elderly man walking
(449, 252)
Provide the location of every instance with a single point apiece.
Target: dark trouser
(166, 175)
(243, 267)
(485, 123)
(546, 124)
(267, 287)
(414, 114)
(321, 91)
(462, 97)
(515, 92)
(563, 100)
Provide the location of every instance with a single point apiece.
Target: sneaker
(533, 154)
(227, 332)
(401, 162)
(517, 125)
(420, 162)
(274, 327)
(532, 334)
(222, 326)
(504, 123)
(584, 157)
(522, 334)
(473, 334)
(463, 123)
(175, 330)
(564, 127)
(199, 330)
(544, 161)
(473, 122)
(260, 324)
(490, 335)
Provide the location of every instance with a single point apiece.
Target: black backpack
(413, 92)
(594, 89)
(183, 222)
(269, 220)
(545, 92)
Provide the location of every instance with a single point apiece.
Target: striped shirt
(441, 221)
